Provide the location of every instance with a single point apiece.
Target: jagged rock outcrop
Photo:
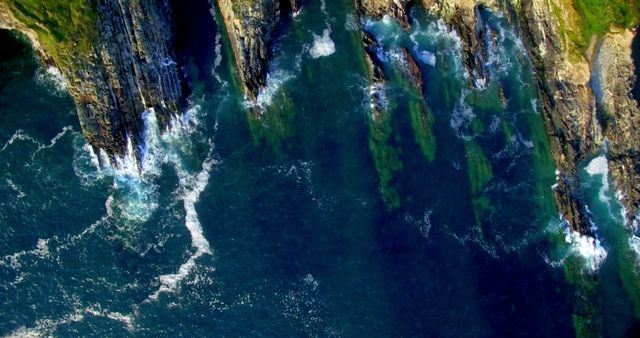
(612, 78)
(127, 66)
(250, 25)
(376, 9)
(563, 79)
(376, 75)
(567, 102)
(567, 80)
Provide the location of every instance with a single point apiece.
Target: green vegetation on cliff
(598, 16)
(64, 27)
(582, 20)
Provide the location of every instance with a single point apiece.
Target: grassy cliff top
(583, 20)
(597, 17)
(64, 27)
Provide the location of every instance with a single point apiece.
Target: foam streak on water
(192, 187)
(600, 166)
(20, 135)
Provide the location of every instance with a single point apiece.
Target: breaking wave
(322, 45)
(600, 166)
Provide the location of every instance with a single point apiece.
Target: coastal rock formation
(117, 58)
(564, 75)
(376, 9)
(567, 102)
(613, 75)
(584, 91)
(250, 25)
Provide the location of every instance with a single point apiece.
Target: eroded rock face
(567, 102)
(131, 66)
(376, 9)
(570, 84)
(612, 79)
(135, 68)
(566, 98)
(250, 25)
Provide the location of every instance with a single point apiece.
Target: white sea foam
(218, 60)
(54, 140)
(634, 245)
(425, 225)
(51, 77)
(351, 22)
(191, 187)
(322, 45)
(97, 311)
(587, 247)
(557, 181)
(20, 135)
(600, 166)
(447, 41)
(136, 181)
(57, 77)
(275, 81)
(378, 98)
(427, 57)
(15, 188)
(45, 327)
(461, 117)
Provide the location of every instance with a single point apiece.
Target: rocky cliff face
(378, 8)
(584, 92)
(612, 77)
(122, 65)
(121, 60)
(251, 25)
(566, 76)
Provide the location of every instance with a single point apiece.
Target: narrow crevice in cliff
(195, 31)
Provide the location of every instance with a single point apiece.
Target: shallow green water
(278, 226)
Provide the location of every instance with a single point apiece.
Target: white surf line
(20, 135)
(53, 141)
(42, 246)
(587, 247)
(15, 188)
(46, 327)
(192, 187)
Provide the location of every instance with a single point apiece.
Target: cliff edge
(117, 57)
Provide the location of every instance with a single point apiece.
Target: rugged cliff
(251, 25)
(117, 57)
(619, 116)
(584, 73)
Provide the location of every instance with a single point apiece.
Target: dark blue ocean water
(276, 226)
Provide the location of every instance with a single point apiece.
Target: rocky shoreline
(129, 67)
(132, 66)
(585, 98)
